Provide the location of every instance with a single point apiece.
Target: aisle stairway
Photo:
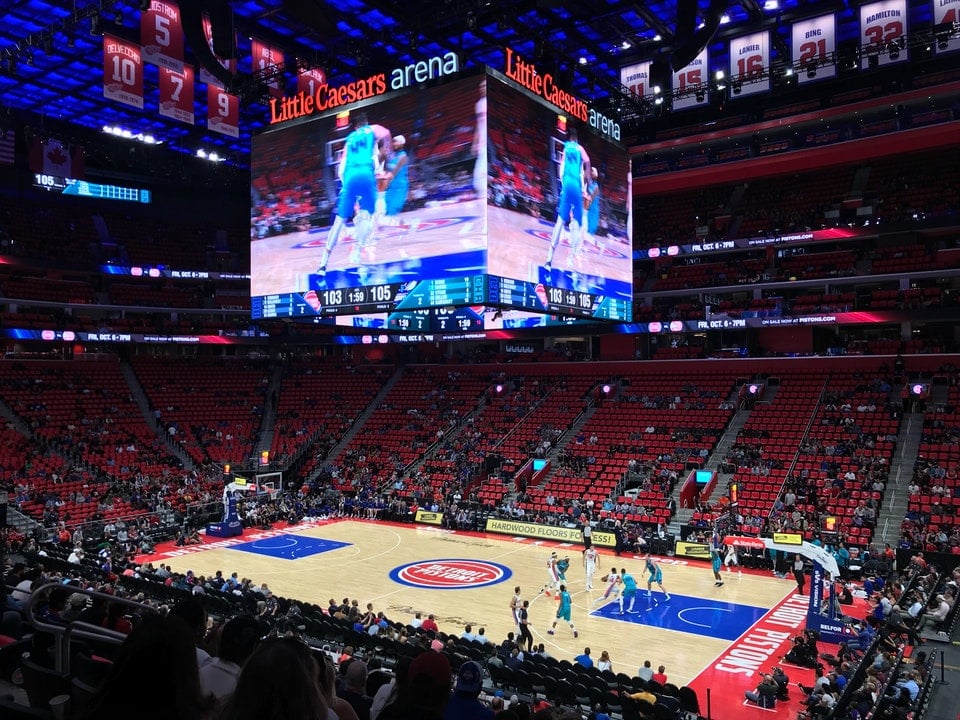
(901, 470)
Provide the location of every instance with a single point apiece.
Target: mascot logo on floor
(450, 574)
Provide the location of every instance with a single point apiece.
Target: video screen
(557, 211)
(371, 210)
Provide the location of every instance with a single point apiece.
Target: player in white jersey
(612, 591)
(553, 575)
(516, 602)
(479, 146)
(590, 557)
(732, 558)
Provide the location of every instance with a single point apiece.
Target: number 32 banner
(122, 72)
(161, 36)
(814, 48)
(882, 23)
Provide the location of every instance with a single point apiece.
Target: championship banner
(161, 35)
(223, 111)
(309, 81)
(749, 63)
(122, 72)
(697, 551)
(429, 518)
(815, 47)
(266, 60)
(686, 81)
(176, 94)
(637, 79)
(548, 532)
(945, 12)
(229, 64)
(882, 24)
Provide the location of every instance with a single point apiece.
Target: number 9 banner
(122, 72)
(223, 111)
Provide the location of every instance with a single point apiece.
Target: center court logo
(450, 574)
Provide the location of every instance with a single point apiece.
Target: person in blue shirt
(584, 658)
(716, 563)
(629, 590)
(563, 612)
(357, 171)
(574, 164)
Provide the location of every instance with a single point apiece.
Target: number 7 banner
(814, 48)
(122, 72)
(883, 25)
(161, 35)
(176, 94)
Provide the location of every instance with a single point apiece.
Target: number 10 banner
(815, 48)
(749, 63)
(122, 72)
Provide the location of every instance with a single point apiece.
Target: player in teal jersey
(574, 164)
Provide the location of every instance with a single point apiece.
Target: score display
(393, 207)
(83, 188)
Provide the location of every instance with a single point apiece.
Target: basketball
(605, 578)
(383, 181)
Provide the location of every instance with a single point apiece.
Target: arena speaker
(691, 39)
(221, 28)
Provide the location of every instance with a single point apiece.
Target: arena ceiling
(51, 50)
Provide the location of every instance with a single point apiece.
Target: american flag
(6, 147)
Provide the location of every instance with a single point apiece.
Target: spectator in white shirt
(238, 639)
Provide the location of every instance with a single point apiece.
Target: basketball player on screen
(479, 146)
(574, 165)
(591, 203)
(357, 172)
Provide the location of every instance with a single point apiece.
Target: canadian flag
(52, 157)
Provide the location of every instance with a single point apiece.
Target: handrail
(63, 634)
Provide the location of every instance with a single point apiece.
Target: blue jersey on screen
(396, 194)
(571, 183)
(359, 182)
(593, 212)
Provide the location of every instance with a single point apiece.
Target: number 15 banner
(176, 94)
(122, 72)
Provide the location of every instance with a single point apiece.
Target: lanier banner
(750, 62)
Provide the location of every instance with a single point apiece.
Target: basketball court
(704, 635)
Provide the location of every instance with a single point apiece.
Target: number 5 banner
(883, 24)
(122, 72)
(161, 35)
(176, 94)
(749, 63)
(815, 47)
(223, 111)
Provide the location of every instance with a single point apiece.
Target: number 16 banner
(122, 72)
(750, 62)
(176, 94)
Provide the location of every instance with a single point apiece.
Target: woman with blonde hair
(604, 662)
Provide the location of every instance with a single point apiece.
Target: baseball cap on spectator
(433, 665)
(469, 677)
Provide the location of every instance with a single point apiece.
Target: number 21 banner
(176, 94)
(814, 48)
(122, 72)
(881, 24)
(223, 111)
(750, 61)
(161, 35)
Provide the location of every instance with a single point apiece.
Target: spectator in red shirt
(660, 676)
(430, 624)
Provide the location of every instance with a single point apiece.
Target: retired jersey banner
(946, 11)
(750, 62)
(229, 64)
(686, 80)
(815, 48)
(883, 25)
(637, 79)
(176, 94)
(223, 111)
(161, 35)
(122, 72)
(268, 61)
(309, 80)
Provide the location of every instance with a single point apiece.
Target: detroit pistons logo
(450, 574)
